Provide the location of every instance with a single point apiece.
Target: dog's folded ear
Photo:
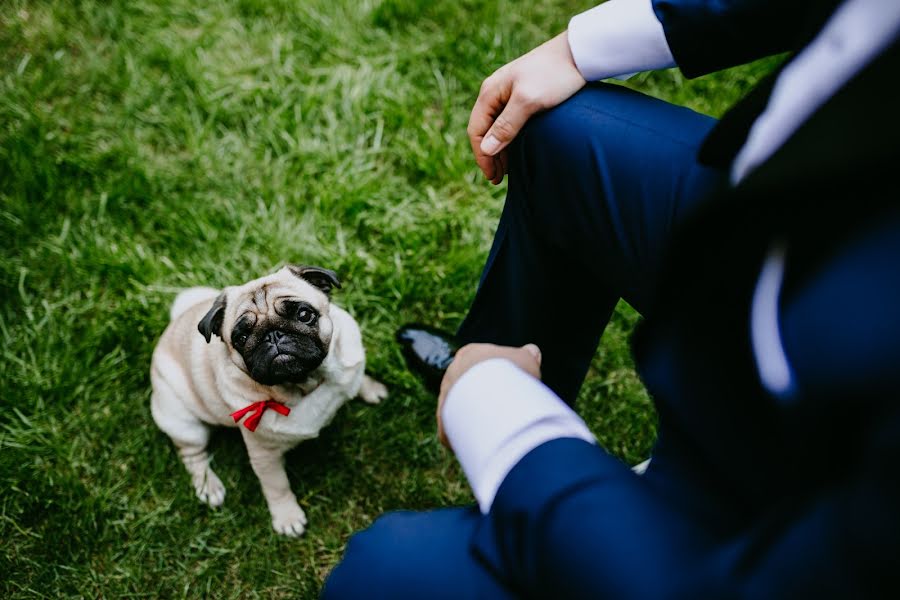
(212, 322)
(323, 279)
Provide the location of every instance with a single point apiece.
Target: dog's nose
(274, 336)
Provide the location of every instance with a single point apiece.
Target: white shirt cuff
(494, 415)
(617, 39)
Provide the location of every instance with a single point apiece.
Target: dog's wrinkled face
(278, 325)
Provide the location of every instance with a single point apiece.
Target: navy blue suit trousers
(750, 494)
(596, 187)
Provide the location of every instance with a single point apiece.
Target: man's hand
(527, 358)
(536, 81)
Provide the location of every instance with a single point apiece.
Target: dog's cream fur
(198, 384)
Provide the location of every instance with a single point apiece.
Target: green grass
(147, 146)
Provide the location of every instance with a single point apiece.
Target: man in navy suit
(763, 251)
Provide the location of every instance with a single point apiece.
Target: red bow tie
(258, 408)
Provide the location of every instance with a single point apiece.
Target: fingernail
(489, 145)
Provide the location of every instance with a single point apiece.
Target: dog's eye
(304, 315)
(242, 330)
(238, 339)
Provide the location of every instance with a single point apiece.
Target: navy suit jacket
(750, 495)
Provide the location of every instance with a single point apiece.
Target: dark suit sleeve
(708, 35)
(570, 521)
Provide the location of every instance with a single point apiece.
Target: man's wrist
(495, 414)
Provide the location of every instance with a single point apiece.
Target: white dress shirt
(495, 413)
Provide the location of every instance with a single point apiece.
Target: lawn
(149, 146)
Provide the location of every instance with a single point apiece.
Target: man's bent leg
(414, 555)
(596, 186)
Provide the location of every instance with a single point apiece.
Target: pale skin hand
(527, 358)
(539, 80)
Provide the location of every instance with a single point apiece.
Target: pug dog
(273, 357)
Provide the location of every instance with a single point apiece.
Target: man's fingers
(488, 105)
(506, 126)
(442, 396)
(486, 163)
(492, 99)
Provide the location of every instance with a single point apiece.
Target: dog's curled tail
(188, 298)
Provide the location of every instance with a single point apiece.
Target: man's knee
(411, 555)
(371, 563)
(398, 556)
(607, 130)
(554, 142)
(558, 165)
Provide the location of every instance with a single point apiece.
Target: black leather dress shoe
(428, 352)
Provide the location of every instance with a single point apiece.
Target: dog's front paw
(289, 520)
(372, 391)
(210, 489)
